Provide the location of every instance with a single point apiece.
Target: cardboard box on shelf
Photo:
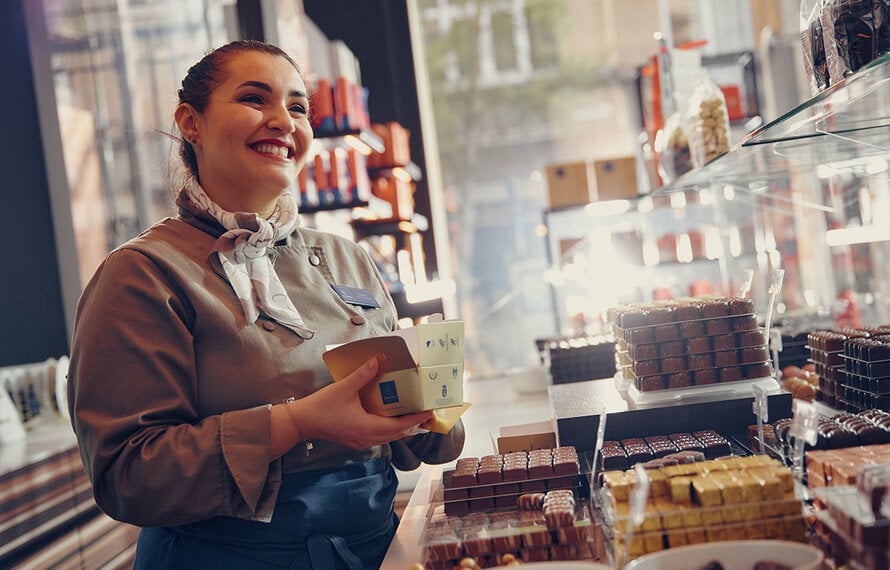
(525, 437)
(423, 368)
(578, 183)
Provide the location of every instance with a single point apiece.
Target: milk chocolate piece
(530, 501)
(753, 355)
(614, 458)
(751, 338)
(489, 474)
(718, 326)
(740, 306)
(539, 470)
(476, 545)
(443, 546)
(691, 329)
(480, 492)
(666, 332)
(704, 377)
(700, 361)
(454, 494)
(714, 308)
(660, 315)
(761, 370)
(632, 318)
(687, 312)
(673, 364)
(744, 323)
(515, 472)
(725, 358)
(646, 367)
(650, 383)
(672, 348)
(724, 342)
(642, 351)
(536, 537)
(731, 373)
(566, 466)
(643, 335)
(679, 380)
(698, 344)
(463, 478)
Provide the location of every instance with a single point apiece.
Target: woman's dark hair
(206, 75)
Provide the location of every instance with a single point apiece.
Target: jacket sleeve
(152, 459)
(432, 448)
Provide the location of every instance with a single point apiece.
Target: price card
(597, 453)
(761, 412)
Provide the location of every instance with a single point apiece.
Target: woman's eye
(297, 109)
(252, 99)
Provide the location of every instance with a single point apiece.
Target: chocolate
(725, 358)
(704, 377)
(724, 342)
(672, 348)
(679, 380)
(687, 312)
(673, 364)
(614, 458)
(646, 367)
(753, 355)
(761, 370)
(642, 351)
(714, 308)
(691, 329)
(731, 374)
(744, 323)
(700, 361)
(530, 501)
(718, 326)
(699, 344)
(751, 338)
(666, 332)
(740, 306)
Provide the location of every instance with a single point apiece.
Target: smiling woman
(203, 409)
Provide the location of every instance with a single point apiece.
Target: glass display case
(808, 193)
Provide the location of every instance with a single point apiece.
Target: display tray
(718, 391)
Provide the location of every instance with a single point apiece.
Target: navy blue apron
(324, 520)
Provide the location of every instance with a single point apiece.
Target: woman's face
(254, 135)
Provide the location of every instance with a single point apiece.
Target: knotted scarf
(242, 252)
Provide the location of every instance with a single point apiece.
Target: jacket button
(268, 326)
(357, 320)
(314, 259)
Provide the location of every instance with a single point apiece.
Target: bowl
(732, 555)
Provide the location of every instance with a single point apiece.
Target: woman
(203, 409)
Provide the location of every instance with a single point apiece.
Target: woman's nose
(281, 119)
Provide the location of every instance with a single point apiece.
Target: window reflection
(116, 67)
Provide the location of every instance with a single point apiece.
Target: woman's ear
(186, 118)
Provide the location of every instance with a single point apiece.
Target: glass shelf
(844, 129)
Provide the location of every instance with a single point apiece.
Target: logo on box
(388, 392)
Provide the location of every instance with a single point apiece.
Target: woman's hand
(335, 413)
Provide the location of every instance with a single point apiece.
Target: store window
(518, 85)
(116, 68)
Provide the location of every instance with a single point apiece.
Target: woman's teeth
(281, 151)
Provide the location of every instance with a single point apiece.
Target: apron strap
(322, 548)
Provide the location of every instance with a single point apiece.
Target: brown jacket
(170, 390)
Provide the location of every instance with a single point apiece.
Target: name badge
(356, 296)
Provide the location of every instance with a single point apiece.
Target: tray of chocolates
(853, 521)
(689, 343)
(495, 481)
(662, 450)
(733, 498)
(551, 525)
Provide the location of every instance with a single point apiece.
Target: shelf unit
(811, 190)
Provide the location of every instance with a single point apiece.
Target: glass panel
(117, 66)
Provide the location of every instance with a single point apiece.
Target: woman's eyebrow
(268, 88)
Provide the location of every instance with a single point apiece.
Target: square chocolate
(687, 312)
(740, 306)
(711, 308)
(673, 364)
(692, 329)
(672, 348)
(761, 370)
(700, 361)
(646, 368)
(751, 338)
(744, 323)
(731, 373)
(725, 358)
(679, 380)
(698, 344)
(649, 383)
(718, 326)
(704, 377)
(666, 332)
(724, 342)
(753, 355)
(643, 335)
(642, 351)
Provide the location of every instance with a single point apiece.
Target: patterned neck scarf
(242, 252)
